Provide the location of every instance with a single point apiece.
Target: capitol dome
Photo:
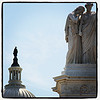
(15, 88)
(17, 92)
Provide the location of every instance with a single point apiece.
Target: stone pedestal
(77, 80)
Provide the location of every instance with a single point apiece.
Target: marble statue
(72, 36)
(87, 30)
(15, 60)
(15, 51)
(80, 33)
(79, 78)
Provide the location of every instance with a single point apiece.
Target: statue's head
(88, 6)
(15, 47)
(79, 10)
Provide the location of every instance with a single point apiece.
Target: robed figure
(72, 36)
(87, 30)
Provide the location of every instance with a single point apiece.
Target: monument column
(19, 75)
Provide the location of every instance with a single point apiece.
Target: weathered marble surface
(72, 36)
(75, 86)
(85, 70)
(77, 80)
(79, 76)
(80, 33)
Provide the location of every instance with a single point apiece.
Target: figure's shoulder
(83, 15)
(70, 15)
(93, 13)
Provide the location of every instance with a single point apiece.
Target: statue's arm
(73, 18)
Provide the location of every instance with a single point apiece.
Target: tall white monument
(79, 76)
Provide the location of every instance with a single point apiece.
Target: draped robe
(74, 53)
(88, 29)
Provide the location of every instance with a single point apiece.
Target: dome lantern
(15, 88)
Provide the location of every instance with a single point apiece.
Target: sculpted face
(88, 7)
(80, 11)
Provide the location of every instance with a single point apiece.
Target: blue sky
(37, 29)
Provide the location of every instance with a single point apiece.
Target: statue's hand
(80, 33)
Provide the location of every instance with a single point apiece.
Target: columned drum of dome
(15, 75)
(15, 88)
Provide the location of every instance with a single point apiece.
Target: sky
(37, 29)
